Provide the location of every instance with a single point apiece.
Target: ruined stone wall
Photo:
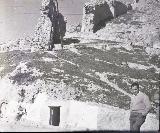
(44, 25)
(43, 28)
(94, 12)
(97, 12)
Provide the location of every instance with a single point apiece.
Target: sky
(18, 18)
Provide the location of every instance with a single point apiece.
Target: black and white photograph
(79, 65)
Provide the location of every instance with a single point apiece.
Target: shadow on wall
(60, 29)
(119, 8)
(101, 15)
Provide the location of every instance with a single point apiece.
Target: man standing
(140, 107)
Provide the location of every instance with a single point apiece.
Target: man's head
(135, 88)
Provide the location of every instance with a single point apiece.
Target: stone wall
(44, 25)
(97, 12)
(43, 28)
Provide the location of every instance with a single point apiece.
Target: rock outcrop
(97, 12)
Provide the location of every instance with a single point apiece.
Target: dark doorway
(54, 115)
